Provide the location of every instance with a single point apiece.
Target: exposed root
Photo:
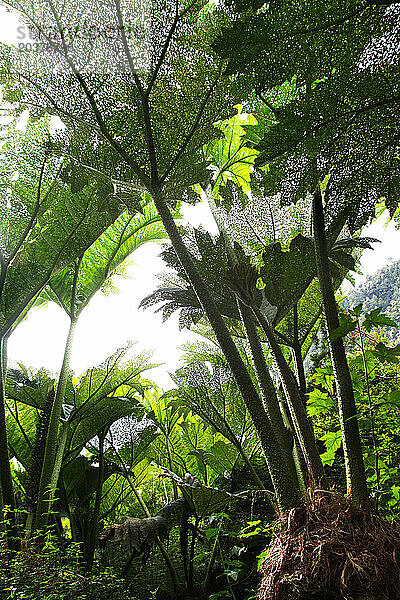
(329, 549)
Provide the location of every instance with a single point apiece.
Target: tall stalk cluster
(262, 403)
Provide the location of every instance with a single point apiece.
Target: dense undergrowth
(55, 573)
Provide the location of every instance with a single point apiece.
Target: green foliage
(209, 256)
(21, 428)
(286, 279)
(34, 388)
(333, 441)
(321, 112)
(51, 574)
(186, 444)
(103, 395)
(203, 500)
(346, 325)
(99, 398)
(287, 275)
(374, 370)
(386, 354)
(318, 403)
(208, 389)
(380, 290)
(339, 63)
(78, 282)
(374, 319)
(180, 99)
(44, 225)
(232, 161)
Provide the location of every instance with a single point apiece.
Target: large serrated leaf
(104, 256)
(42, 233)
(287, 274)
(343, 258)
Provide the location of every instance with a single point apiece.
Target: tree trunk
(355, 471)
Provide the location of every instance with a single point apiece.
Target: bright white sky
(109, 322)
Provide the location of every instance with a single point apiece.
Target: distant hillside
(381, 289)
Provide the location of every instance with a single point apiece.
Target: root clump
(328, 549)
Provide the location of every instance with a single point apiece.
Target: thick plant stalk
(191, 555)
(171, 464)
(267, 388)
(62, 442)
(355, 471)
(295, 352)
(297, 357)
(286, 489)
(264, 379)
(295, 402)
(36, 461)
(90, 543)
(37, 453)
(211, 562)
(298, 457)
(5, 470)
(7, 488)
(46, 493)
(53, 455)
(2, 523)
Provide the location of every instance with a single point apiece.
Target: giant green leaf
(209, 390)
(287, 274)
(21, 428)
(166, 87)
(232, 160)
(103, 257)
(43, 225)
(211, 260)
(103, 395)
(30, 390)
